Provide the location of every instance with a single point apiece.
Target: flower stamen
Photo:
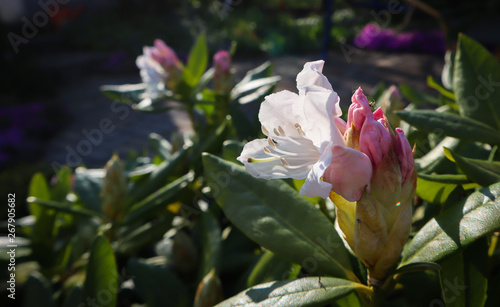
(264, 130)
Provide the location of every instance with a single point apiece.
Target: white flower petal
(277, 111)
(312, 74)
(315, 185)
(276, 161)
(316, 112)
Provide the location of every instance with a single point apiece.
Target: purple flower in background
(373, 37)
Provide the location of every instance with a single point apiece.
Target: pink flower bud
(359, 110)
(404, 154)
(164, 55)
(223, 80)
(222, 62)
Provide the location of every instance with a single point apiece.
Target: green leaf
(257, 95)
(310, 291)
(481, 171)
(88, 188)
(417, 97)
(273, 214)
(432, 83)
(456, 227)
(157, 200)
(244, 88)
(161, 146)
(207, 77)
(101, 281)
(451, 125)
(63, 184)
(144, 235)
(211, 244)
(158, 177)
(40, 189)
(126, 93)
(63, 208)
(437, 189)
(156, 285)
(435, 158)
(447, 73)
(453, 281)
(476, 79)
(231, 150)
(417, 267)
(464, 276)
(270, 267)
(37, 292)
(197, 62)
(45, 228)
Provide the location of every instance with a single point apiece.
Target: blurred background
(54, 55)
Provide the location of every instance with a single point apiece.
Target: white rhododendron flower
(305, 138)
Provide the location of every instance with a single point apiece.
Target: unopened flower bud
(209, 291)
(377, 224)
(114, 189)
(223, 79)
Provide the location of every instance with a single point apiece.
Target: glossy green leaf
(63, 184)
(204, 80)
(447, 73)
(88, 188)
(161, 146)
(464, 276)
(45, 227)
(210, 244)
(197, 62)
(437, 189)
(156, 285)
(40, 189)
(273, 214)
(417, 267)
(244, 88)
(417, 97)
(451, 125)
(262, 71)
(158, 178)
(456, 227)
(156, 201)
(257, 95)
(63, 208)
(432, 83)
(476, 81)
(37, 292)
(435, 158)
(481, 171)
(231, 150)
(144, 235)
(453, 281)
(157, 105)
(310, 291)
(213, 142)
(101, 281)
(270, 267)
(126, 93)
